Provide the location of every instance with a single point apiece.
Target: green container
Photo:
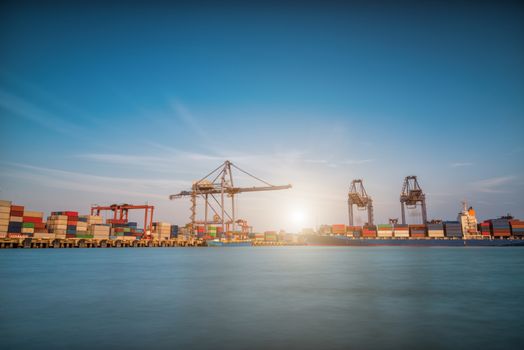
(127, 229)
(84, 236)
(28, 225)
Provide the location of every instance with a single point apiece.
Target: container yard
(22, 227)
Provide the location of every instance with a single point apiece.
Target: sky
(106, 102)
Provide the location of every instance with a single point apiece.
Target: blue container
(71, 227)
(82, 219)
(71, 232)
(14, 227)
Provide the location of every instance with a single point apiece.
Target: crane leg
(424, 212)
(402, 210)
(350, 212)
(370, 213)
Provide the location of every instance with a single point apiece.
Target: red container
(116, 221)
(71, 213)
(32, 219)
(16, 213)
(17, 208)
(70, 235)
(72, 218)
(17, 235)
(418, 235)
(39, 225)
(369, 233)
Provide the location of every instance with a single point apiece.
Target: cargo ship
(221, 243)
(336, 240)
(465, 232)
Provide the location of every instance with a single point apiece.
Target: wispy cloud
(460, 164)
(183, 113)
(57, 178)
(494, 184)
(28, 111)
(356, 161)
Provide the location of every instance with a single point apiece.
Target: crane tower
(358, 196)
(214, 189)
(410, 196)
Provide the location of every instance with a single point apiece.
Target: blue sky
(111, 103)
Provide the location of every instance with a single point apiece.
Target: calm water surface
(257, 298)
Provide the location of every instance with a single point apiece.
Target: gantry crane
(219, 183)
(121, 213)
(410, 196)
(357, 196)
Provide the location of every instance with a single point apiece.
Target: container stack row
(417, 231)
(401, 230)
(436, 230)
(385, 230)
(453, 229)
(5, 210)
(500, 227)
(517, 227)
(161, 230)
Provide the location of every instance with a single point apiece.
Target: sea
(262, 298)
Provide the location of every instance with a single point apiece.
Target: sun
(298, 216)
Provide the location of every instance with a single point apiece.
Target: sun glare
(298, 217)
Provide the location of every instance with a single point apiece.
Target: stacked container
(212, 231)
(435, 230)
(5, 209)
(354, 231)
(338, 229)
(324, 229)
(174, 231)
(126, 231)
(33, 223)
(401, 230)
(417, 231)
(500, 228)
(453, 229)
(485, 230)
(270, 236)
(91, 219)
(259, 236)
(385, 230)
(16, 219)
(82, 228)
(99, 231)
(517, 228)
(57, 225)
(162, 230)
(71, 221)
(369, 231)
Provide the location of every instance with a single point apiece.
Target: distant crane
(219, 183)
(358, 196)
(121, 213)
(410, 196)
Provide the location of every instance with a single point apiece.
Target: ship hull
(228, 244)
(318, 240)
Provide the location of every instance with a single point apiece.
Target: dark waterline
(244, 298)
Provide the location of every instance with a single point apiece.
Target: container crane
(410, 196)
(121, 213)
(214, 188)
(358, 196)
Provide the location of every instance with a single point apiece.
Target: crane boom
(220, 183)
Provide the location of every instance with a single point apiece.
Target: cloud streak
(460, 164)
(28, 111)
(56, 178)
(494, 184)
